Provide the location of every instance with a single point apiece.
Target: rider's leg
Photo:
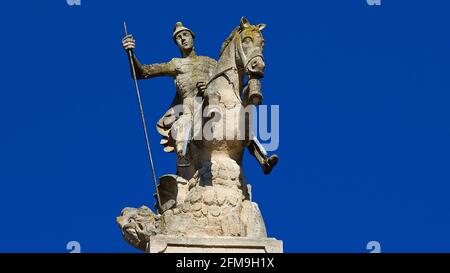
(182, 131)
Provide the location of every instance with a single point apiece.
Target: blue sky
(364, 120)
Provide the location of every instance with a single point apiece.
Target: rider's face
(184, 40)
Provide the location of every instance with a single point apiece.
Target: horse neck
(227, 60)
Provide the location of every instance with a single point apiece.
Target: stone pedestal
(176, 244)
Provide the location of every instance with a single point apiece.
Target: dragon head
(137, 226)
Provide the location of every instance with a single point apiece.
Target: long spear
(144, 124)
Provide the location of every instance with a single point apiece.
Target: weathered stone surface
(170, 244)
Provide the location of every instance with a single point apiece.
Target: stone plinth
(175, 244)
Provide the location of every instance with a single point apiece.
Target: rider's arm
(153, 70)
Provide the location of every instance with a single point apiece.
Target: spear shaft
(144, 124)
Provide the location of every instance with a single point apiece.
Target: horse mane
(228, 40)
(231, 37)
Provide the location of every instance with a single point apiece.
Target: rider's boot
(267, 162)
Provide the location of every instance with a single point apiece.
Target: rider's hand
(128, 43)
(201, 86)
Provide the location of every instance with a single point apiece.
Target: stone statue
(209, 196)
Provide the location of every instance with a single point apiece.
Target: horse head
(250, 44)
(242, 53)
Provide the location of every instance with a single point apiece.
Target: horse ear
(244, 23)
(261, 26)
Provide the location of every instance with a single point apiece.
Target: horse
(241, 57)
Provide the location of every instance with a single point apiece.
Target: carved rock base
(213, 211)
(178, 244)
